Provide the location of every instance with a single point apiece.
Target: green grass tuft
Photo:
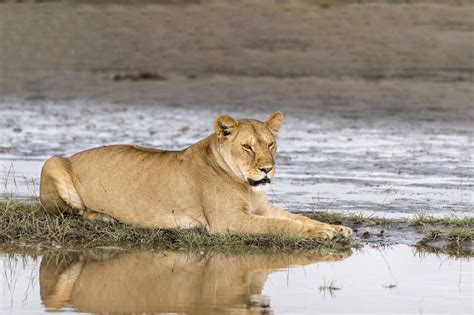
(453, 237)
(422, 219)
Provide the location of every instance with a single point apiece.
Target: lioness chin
(218, 183)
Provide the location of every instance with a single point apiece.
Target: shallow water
(390, 280)
(391, 168)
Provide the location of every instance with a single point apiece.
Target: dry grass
(30, 224)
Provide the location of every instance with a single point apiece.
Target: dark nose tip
(266, 170)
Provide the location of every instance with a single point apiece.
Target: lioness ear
(274, 122)
(224, 125)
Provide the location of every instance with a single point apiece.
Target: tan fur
(170, 282)
(207, 184)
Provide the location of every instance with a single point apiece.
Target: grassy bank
(30, 224)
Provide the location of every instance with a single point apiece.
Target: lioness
(218, 183)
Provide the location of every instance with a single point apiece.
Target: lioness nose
(266, 170)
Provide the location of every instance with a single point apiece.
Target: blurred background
(378, 95)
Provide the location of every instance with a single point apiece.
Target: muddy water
(391, 280)
(391, 168)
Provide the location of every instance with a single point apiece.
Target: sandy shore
(412, 61)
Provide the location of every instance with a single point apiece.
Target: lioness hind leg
(97, 216)
(57, 191)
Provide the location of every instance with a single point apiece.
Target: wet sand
(377, 59)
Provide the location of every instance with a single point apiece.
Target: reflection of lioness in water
(164, 281)
(218, 183)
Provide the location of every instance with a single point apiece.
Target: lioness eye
(271, 145)
(247, 147)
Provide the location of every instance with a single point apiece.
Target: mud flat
(406, 60)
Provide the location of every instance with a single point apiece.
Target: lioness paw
(327, 231)
(321, 232)
(343, 230)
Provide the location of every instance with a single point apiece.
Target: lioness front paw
(328, 231)
(343, 230)
(324, 232)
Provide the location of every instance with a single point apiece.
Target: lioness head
(248, 147)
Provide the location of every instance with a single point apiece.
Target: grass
(30, 224)
(422, 219)
(27, 224)
(456, 242)
(330, 288)
(417, 220)
(454, 237)
(354, 218)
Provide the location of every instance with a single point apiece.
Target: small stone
(113, 109)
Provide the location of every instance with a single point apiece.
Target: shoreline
(28, 225)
